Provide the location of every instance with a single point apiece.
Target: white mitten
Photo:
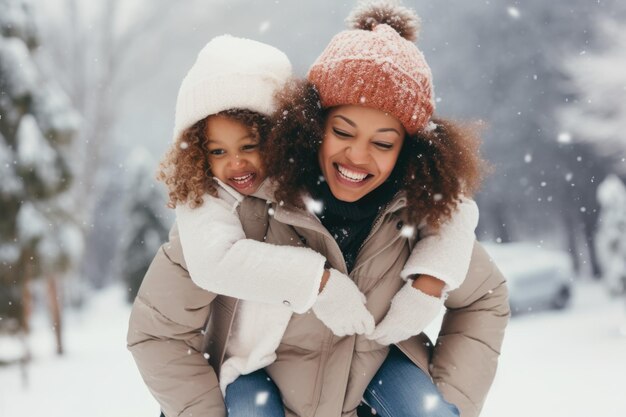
(410, 312)
(341, 306)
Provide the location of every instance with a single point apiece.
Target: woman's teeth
(351, 175)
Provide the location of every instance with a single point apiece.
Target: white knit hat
(230, 73)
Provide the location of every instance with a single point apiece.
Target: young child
(221, 121)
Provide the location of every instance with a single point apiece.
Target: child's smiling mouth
(243, 181)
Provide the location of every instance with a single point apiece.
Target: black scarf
(350, 223)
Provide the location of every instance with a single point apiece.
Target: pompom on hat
(376, 64)
(231, 73)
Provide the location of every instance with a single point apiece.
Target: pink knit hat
(376, 64)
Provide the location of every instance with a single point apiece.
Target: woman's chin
(348, 195)
(350, 191)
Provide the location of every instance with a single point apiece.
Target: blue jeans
(399, 389)
(253, 395)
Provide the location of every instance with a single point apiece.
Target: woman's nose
(358, 154)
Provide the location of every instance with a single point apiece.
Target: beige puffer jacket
(318, 373)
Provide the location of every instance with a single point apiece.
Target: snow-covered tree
(506, 67)
(38, 237)
(146, 225)
(97, 51)
(611, 235)
(597, 114)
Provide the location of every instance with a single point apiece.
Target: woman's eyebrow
(348, 121)
(388, 129)
(351, 123)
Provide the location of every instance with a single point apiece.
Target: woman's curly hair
(185, 169)
(436, 167)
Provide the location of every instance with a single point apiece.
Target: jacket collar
(305, 218)
(266, 191)
(300, 217)
(228, 190)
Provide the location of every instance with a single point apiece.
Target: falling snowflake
(184, 145)
(314, 206)
(431, 127)
(407, 231)
(430, 402)
(528, 158)
(513, 12)
(261, 398)
(564, 137)
(264, 26)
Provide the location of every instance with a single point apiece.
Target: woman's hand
(341, 306)
(410, 312)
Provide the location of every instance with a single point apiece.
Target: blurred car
(537, 278)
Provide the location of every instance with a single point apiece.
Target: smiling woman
(354, 149)
(359, 151)
(365, 148)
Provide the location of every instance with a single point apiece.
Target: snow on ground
(570, 363)
(97, 377)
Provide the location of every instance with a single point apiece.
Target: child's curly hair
(435, 167)
(185, 169)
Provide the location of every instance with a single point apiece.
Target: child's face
(360, 148)
(234, 154)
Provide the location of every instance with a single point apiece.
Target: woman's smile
(350, 176)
